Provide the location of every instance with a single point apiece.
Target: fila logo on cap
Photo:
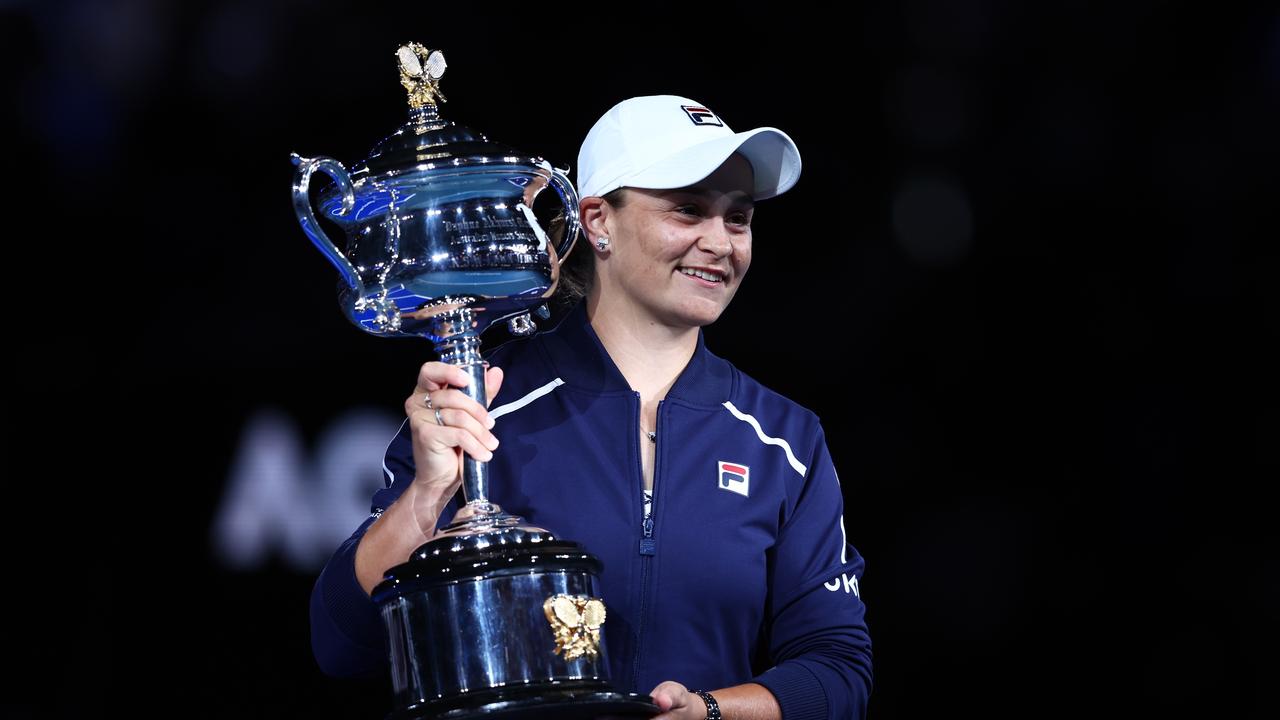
(701, 116)
(734, 478)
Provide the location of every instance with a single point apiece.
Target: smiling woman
(675, 256)
(726, 596)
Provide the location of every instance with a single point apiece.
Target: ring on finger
(438, 418)
(427, 398)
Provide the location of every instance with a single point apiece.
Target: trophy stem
(425, 119)
(457, 343)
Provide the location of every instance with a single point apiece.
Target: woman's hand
(677, 703)
(437, 458)
(438, 448)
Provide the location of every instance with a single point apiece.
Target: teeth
(700, 274)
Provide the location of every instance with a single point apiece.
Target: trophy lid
(428, 142)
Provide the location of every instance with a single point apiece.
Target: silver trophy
(492, 617)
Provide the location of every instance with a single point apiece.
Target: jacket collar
(581, 360)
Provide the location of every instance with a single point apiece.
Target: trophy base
(587, 703)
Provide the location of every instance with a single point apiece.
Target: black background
(1027, 279)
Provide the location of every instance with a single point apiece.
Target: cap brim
(775, 162)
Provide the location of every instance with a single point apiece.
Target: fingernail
(491, 423)
(488, 456)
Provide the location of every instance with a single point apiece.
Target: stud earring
(602, 243)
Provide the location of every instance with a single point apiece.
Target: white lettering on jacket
(847, 581)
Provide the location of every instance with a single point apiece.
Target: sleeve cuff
(797, 690)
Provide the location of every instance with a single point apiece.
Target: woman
(711, 500)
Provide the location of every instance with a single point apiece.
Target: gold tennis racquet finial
(420, 72)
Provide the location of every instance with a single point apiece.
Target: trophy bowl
(437, 214)
(492, 617)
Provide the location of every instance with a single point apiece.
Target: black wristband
(713, 707)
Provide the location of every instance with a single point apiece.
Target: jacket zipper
(648, 544)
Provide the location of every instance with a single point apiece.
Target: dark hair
(578, 272)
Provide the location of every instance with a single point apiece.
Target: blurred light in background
(121, 44)
(932, 220)
(282, 501)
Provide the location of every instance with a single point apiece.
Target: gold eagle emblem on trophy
(575, 622)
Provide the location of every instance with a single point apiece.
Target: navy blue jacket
(745, 575)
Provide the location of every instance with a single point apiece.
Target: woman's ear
(592, 213)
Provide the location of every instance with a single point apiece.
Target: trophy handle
(569, 197)
(307, 217)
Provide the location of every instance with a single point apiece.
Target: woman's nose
(717, 238)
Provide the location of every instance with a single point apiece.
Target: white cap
(666, 141)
